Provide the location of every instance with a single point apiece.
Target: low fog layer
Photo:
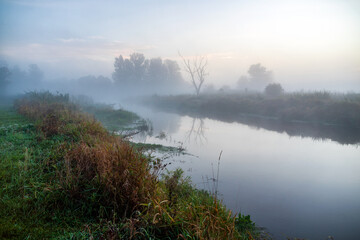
(135, 76)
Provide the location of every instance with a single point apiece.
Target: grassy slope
(40, 199)
(115, 120)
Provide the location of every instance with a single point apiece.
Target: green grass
(115, 120)
(63, 176)
(33, 204)
(26, 193)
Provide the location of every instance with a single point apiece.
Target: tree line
(15, 77)
(140, 75)
(138, 70)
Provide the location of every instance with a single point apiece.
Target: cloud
(71, 40)
(96, 48)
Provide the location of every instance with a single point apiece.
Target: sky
(309, 44)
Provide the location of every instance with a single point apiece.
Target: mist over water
(274, 85)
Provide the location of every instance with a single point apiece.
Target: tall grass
(112, 189)
(96, 160)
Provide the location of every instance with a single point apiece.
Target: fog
(305, 46)
(274, 85)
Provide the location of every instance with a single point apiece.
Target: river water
(294, 186)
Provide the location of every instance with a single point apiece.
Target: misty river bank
(303, 184)
(319, 115)
(294, 186)
(66, 176)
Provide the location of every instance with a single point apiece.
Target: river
(294, 186)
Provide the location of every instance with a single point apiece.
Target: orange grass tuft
(121, 171)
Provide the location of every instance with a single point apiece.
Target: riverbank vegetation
(316, 107)
(329, 113)
(64, 176)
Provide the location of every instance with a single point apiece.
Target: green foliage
(114, 120)
(243, 223)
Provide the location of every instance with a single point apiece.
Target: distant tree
(119, 68)
(140, 65)
(157, 71)
(257, 79)
(274, 89)
(173, 72)
(153, 73)
(197, 69)
(258, 73)
(35, 74)
(18, 78)
(130, 70)
(4, 76)
(18, 73)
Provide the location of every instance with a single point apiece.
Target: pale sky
(305, 43)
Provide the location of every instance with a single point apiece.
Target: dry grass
(96, 158)
(105, 175)
(112, 163)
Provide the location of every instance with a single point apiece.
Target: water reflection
(196, 132)
(340, 134)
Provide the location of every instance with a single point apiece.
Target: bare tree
(197, 71)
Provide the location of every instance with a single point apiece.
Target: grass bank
(64, 176)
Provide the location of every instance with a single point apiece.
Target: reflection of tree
(197, 131)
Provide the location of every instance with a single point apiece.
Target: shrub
(274, 89)
(244, 223)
